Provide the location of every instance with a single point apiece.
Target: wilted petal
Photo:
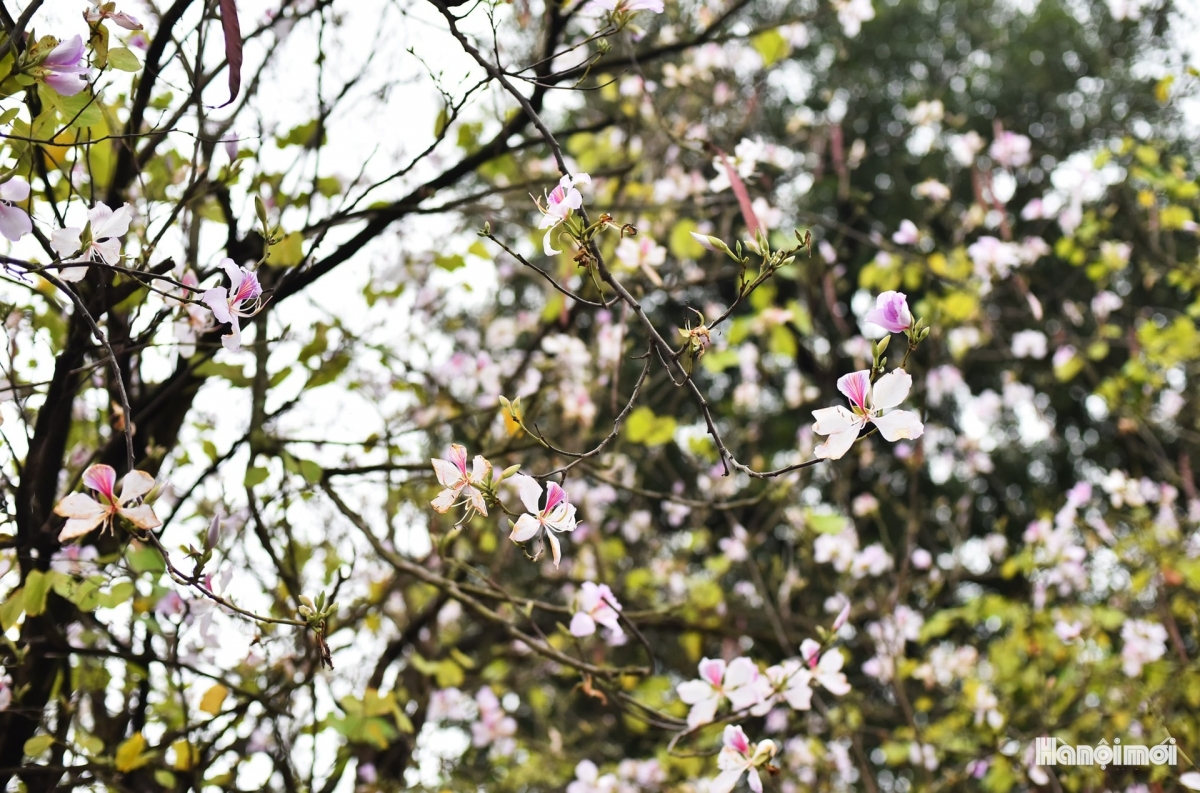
(480, 469)
(891, 389)
(81, 507)
(134, 485)
(444, 501)
(142, 516)
(525, 529)
(446, 472)
(475, 499)
(836, 445)
(77, 527)
(899, 424)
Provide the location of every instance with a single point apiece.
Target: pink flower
(907, 235)
(556, 517)
(826, 669)
(242, 300)
(100, 240)
(494, 727)
(560, 203)
(100, 12)
(64, 69)
(84, 513)
(597, 606)
(1010, 150)
(14, 221)
(891, 312)
(867, 404)
(739, 756)
(461, 485)
(737, 683)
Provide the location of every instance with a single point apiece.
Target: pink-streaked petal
(121, 19)
(134, 485)
(899, 424)
(530, 492)
(101, 478)
(458, 456)
(555, 495)
(582, 625)
(81, 507)
(142, 516)
(856, 386)
(809, 649)
(891, 389)
(836, 445)
(15, 223)
(735, 738)
(712, 670)
(525, 529)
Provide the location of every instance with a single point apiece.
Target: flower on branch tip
(555, 516)
(14, 221)
(560, 203)
(242, 300)
(101, 11)
(84, 513)
(99, 240)
(462, 486)
(64, 69)
(891, 312)
(867, 403)
(597, 606)
(738, 756)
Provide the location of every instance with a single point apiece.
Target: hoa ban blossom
(461, 485)
(739, 756)
(556, 517)
(494, 727)
(64, 69)
(826, 669)
(99, 240)
(597, 606)
(908, 234)
(1010, 149)
(242, 300)
(14, 221)
(561, 202)
(1144, 643)
(101, 11)
(867, 405)
(891, 312)
(737, 683)
(84, 513)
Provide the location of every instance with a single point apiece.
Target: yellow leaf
(186, 755)
(129, 754)
(211, 702)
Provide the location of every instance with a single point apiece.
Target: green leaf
(12, 609)
(288, 252)
(37, 586)
(38, 744)
(255, 476)
(130, 756)
(449, 263)
(118, 594)
(122, 58)
(9, 115)
(645, 428)
(311, 472)
(682, 244)
(825, 522)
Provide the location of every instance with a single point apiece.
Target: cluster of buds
(316, 615)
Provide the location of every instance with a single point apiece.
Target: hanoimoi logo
(1050, 752)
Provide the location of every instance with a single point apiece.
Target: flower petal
(134, 485)
(81, 507)
(547, 247)
(141, 516)
(526, 529)
(65, 242)
(77, 527)
(834, 420)
(14, 222)
(692, 692)
(703, 712)
(218, 300)
(582, 625)
(891, 389)
(899, 424)
(16, 189)
(447, 473)
(444, 501)
(530, 492)
(836, 445)
(726, 780)
(856, 386)
(101, 478)
(555, 548)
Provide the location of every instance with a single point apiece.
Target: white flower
(852, 13)
(556, 517)
(735, 682)
(597, 606)
(103, 241)
(739, 756)
(867, 403)
(1144, 642)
